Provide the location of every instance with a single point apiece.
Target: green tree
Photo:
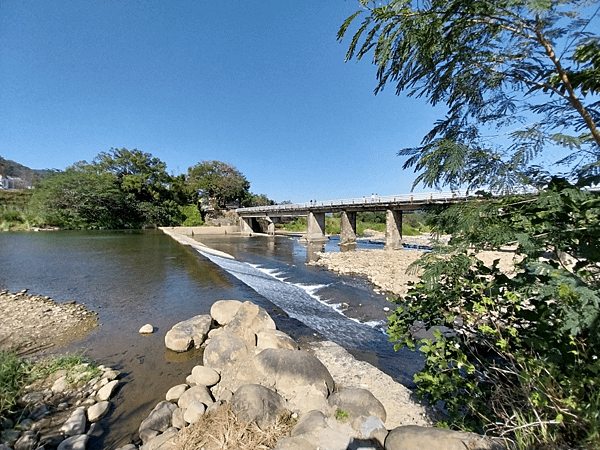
(516, 356)
(217, 182)
(144, 181)
(80, 197)
(120, 189)
(251, 199)
(523, 69)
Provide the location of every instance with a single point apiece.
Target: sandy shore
(388, 270)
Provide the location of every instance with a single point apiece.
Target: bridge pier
(246, 226)
(271, 221)
(347, 230)
(393, 229)
(315, 227)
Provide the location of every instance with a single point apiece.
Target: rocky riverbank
(257, 389)
(388, 270)
(34, 324)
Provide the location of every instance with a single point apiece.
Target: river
(131, 278)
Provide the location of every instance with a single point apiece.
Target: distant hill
(9, 168)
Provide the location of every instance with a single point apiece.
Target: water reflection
(313, 250)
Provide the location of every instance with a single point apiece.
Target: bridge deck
(404, 202)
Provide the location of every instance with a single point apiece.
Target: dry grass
(221, 430)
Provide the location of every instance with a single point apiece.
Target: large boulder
(223, 350)
(190, 332)
(357, 402)
(274, 339)
(256, 403)
(293, 371)
(413, 437)
(222, 311)
(249, 320)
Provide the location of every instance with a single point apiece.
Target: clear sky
(259, 84)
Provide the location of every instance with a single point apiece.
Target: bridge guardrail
(374, 199)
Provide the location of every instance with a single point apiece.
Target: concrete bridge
(257, 218)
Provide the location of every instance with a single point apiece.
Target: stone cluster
(34, 323)
(64, 416)
(261, 372)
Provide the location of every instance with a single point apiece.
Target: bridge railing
(421, 197)
(370, 200)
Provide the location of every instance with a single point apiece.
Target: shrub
(192, 216)
(521, 360)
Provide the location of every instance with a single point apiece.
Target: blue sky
(259, 84)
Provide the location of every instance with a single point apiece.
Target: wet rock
(190, 332)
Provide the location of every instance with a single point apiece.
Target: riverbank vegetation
(125, 188)
(16, 373)
(412, 224)
(517, 356)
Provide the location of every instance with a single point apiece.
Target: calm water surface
(131, 278)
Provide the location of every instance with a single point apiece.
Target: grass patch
(221, 429)
(16, 373)
(341, 415)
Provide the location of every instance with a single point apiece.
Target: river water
(131, 278)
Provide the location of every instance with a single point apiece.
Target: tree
(80, 197)
(145, 182)
(525, 69)
(217, 182)
(138, 173)
(120, 189)
(519, 356)
(251, 199)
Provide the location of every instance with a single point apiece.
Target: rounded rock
(147, 329)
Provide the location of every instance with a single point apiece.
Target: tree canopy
(522, 71)
(119, 189)
(519, 354)
(218, 182)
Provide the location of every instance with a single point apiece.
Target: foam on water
(301, 303)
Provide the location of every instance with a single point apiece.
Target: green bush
(192, 216)
(297, 225)
(521, 359)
